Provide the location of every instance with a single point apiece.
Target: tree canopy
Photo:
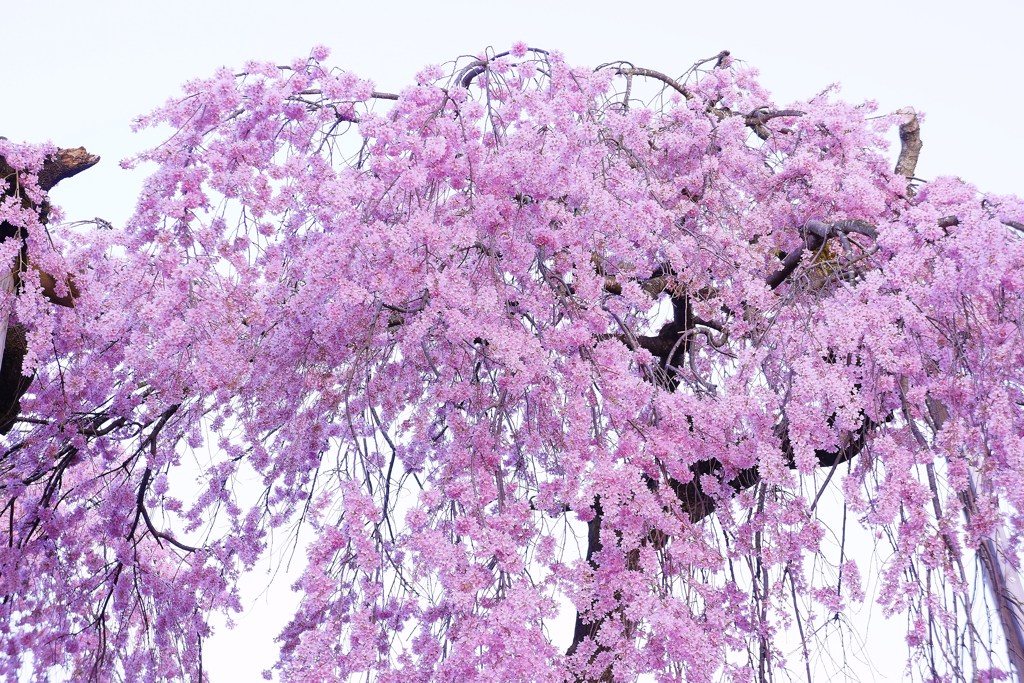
(524, 338)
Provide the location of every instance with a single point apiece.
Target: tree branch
(667, 345)
(815, 234)
(910, 144)
(141, 508)
(656, 75)
(64, 163)
(697, 505)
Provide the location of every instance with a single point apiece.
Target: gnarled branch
(62, 164)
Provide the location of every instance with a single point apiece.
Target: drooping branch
(1003, 579)
(1005, 590)
(157, 535)
(671, 343)
(696, 504)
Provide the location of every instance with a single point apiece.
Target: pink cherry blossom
(524, 337)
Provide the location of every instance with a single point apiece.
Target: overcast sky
(77, 72)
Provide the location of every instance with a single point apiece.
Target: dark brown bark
(670, 346)
(13, 383)
(62, 164)
(697, 505)
(673, 340)
(811, 242)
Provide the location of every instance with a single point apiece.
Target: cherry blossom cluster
(406, 331)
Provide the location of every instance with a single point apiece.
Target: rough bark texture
(62, 164)
(13, 383)
(910, 144)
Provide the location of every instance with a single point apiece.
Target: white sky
(77, 72)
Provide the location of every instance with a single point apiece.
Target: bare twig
(656, 75)
(157, 535)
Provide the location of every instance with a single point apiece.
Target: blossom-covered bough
(523, 340)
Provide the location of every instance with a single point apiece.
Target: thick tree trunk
(62, 164)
